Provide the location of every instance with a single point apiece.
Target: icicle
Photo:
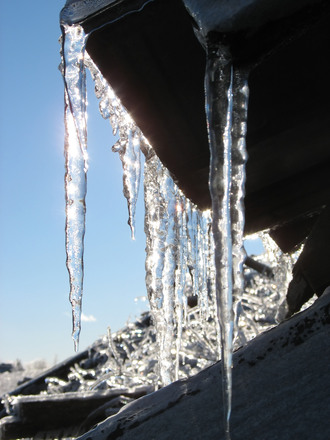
(159, 260)
(129, 152)
(175, 232)
(238, 163)
(180, 274)
(203, 263)
(192, 229)
(227, 191)
(171, 219)
(76, 164)
(166, 262)
(128, 145)
(114, 352)
(210, 272)
(168, 190)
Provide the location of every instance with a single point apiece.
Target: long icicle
(130, 138)
(239, 158)
(180, 274)
(218, 87)
(159, 262)
(74, 41)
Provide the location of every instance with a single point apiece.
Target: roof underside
(156, 66)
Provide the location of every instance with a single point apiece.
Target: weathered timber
(259, 267)
(60, 370)
(280, 391)
(63, 415)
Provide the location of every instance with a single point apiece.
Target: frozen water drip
(74, 40)
(226, 109)
(188, 253)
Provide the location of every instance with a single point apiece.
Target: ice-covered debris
(124, 363)
(130, 356)
(274, 397)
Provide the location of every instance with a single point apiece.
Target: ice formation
(76, 164)
(179, 250)
(129, 144)
(190, 254)
(174, 261)
(226, 109)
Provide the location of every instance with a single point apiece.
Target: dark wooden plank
(44, 415)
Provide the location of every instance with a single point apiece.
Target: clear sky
(35, 313)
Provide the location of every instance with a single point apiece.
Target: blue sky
(35, 314)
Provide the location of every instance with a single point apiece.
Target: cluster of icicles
(186, 249)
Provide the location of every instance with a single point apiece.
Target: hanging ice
(130, 138)
(128, 148)
(238, 162)
(177, 233)
(180, 274)
(180, 246)
(225, 92)
(160, 229)
(76, 164)
(177, 244)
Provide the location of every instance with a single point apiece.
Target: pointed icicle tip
(76, 345)
(132, 230)
(75, 337)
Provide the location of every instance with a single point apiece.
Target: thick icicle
(238, 163)
(193, 245)
(168, 190)
(228, 217)
(177, 244)
(180, 274)
(203, 262)
(76, 164)
(159, 264)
